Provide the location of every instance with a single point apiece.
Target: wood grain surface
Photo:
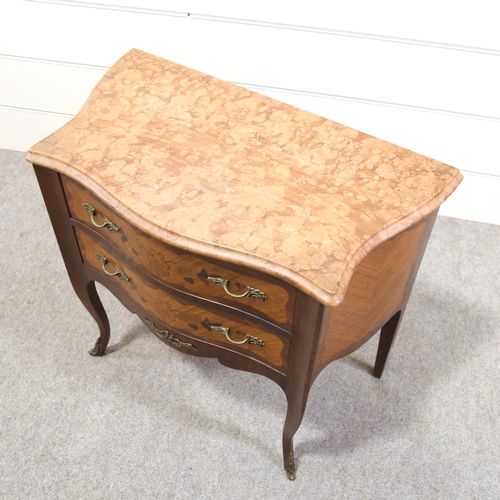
(181, 269)
(379, 288)
(182, 313)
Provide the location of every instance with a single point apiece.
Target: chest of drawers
(237, 227)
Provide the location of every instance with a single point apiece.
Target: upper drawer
(236, 286)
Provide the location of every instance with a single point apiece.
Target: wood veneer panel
(182, 313)
(380, 286)
(183, 270)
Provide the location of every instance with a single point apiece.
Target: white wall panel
(384, 71)
(477, 198)
(20, 129)
(100, 37)
(318, 62)
(44, 86)
(442, 21)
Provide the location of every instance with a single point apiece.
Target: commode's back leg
(387, 336)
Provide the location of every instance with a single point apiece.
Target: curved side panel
(380, 286)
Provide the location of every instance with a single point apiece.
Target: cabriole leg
(95, 308)
(292, 422)
(308, 317)
(55, 200)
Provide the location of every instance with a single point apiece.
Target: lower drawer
(211, 323)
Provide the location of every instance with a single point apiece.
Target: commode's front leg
(308, 317)
(60, 217)
(95, 308)
(293, 419)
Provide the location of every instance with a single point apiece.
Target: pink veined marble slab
(225, 172)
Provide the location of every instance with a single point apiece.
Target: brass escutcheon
(165, 334)
(248, 340)
(252, 293)
(118, 272)
(107, 223)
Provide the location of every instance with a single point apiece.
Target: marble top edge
(323, 295)
(192, 245)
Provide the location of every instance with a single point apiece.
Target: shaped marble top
(226, 172)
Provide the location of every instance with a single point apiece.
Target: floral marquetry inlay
(228, 173)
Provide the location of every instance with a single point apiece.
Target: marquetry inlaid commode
(235, 226)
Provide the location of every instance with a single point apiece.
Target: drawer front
(242, 288)
(214, 324)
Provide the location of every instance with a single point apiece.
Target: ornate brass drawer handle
(252, 293)
(248, 340)
(165, 334)
(118, 272)
(107, 223)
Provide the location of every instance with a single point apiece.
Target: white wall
(424, 75)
